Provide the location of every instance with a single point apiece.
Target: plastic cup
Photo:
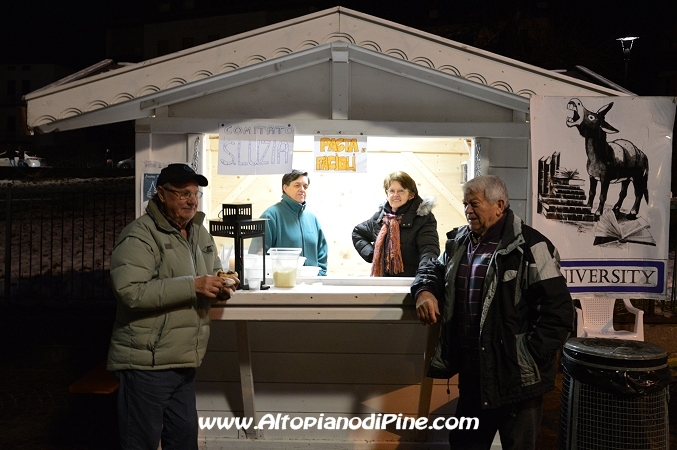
(253, 268)
(254, 284)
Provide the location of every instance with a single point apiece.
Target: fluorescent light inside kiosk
(389, 143)
(304, 142)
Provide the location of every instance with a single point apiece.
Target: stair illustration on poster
(560, 195)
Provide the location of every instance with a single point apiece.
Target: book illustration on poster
(609, 229)
(568, 177)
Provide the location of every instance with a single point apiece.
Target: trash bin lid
(616, 352)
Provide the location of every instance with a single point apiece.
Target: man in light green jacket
(163, 272)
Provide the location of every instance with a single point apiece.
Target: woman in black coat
(401, 234)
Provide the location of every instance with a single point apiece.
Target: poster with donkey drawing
(601, 190)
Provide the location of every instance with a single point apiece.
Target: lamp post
(626, 43)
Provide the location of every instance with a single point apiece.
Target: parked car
(28, 161)
(33, 161)
(126, 163)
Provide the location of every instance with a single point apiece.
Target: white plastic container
(253, 271)
(308, 271)
(254, 283)
(284, 265)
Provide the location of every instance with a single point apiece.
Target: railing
(58, 237)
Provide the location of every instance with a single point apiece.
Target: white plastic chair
(595, 318)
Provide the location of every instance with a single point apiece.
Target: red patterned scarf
(387, 252)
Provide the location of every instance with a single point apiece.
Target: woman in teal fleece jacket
(290, 225)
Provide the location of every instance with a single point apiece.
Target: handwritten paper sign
(248, 148)
(340, 154)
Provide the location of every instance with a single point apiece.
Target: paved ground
(44, 351)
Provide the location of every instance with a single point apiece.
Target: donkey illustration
(609, 162)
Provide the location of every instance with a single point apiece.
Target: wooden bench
(96, 381)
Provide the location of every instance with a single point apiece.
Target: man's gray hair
(493, 188)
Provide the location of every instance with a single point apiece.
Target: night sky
(551, 34)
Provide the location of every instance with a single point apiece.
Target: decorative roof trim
(145, 106)
(195, 67)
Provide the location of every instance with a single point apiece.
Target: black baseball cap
(179, 174)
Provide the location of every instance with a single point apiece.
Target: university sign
(646, 277)
(601, 190)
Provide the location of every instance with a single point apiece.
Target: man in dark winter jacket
(505, 313)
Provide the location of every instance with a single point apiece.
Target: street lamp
(626, 43)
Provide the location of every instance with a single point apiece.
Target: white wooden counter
(340, 348)
(328, 299)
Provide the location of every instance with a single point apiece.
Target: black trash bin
(614, 395)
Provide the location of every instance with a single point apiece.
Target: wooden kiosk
(429, 106)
